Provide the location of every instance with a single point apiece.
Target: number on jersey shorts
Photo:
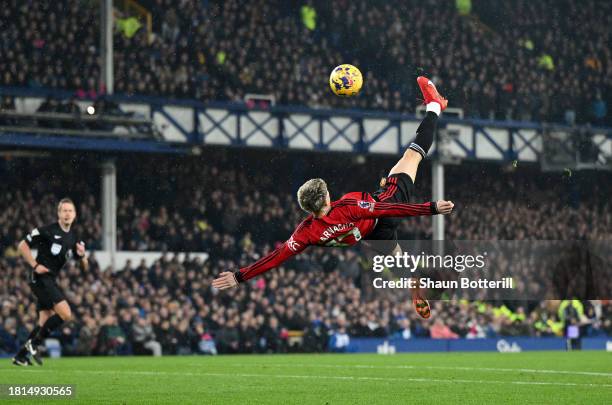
(337, 242)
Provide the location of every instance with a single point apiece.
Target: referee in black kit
(56, 244)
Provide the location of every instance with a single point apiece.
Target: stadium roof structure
(149, 124)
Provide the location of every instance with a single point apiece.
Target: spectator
(9, 339)
(403, 331)
(273, 339)
(87, 339)
(111, 339)
(144, 338)
(204, 341)
(339, 340)
(440, 330)
(599, 109)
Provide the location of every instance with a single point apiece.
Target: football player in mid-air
(360, 215)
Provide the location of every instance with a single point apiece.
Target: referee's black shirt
(55, 246)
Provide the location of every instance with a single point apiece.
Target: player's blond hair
(65, 201)
(312, 195)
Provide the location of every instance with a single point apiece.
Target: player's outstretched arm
(290, 248)
(365, 209)
(227, 279)
(444, 207)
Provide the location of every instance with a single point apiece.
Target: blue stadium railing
(187, 123)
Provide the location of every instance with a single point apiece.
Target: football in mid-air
(345, 80)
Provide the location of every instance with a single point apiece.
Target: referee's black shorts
(397, 188)
(46, 290)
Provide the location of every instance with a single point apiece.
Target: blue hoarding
(505, 344)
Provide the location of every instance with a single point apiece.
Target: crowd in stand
(191, 204)
(169, 308)
(214, 204)
(547, 60)
(540, 61)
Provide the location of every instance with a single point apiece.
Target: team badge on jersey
(56, 248)
(366, 205)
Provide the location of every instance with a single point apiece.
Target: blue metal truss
(300, 130)
(216, 124)
(507, 147)
(340, 133)
(189, 136)
(377, 136)
(504, 150)
(259, 128)
(527, 143)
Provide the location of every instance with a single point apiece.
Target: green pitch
(487, 378)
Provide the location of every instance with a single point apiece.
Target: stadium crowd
(169, 308)
(520, 60)
(191, 204)
(209, 204)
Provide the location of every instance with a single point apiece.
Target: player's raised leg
(409, 163)
(418, 149)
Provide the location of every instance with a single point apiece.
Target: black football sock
(23, 351)
(34, 332)
(425, 134)
(52, 323)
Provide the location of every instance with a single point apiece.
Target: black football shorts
(397, 188)
(46, 290)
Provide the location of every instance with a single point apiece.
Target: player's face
(66, 213)
(328, 200)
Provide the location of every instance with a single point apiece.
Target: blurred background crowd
(227, 197)
(510, 60)
(224, 203)
(544, 61)
(169, 308)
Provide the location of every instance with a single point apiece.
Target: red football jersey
(350, 219)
